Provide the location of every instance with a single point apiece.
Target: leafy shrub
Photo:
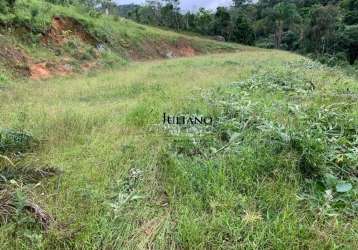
(290, 41)
(12, 141)
(79, 50)
(313, 142)
(95, 14)
(4, 8)
(110, 58)
(265, 43)
(87, 54)
(338, 59)
(277, 80)
(3, 78)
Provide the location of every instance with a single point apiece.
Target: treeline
(326, 28)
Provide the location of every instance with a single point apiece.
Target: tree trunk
(278, 34)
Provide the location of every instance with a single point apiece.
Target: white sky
(188, 4)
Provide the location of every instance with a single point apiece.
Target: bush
(291, 40)
(3, 78)
(12, 141)
(4, 8)
(110, 58)
(266, 43)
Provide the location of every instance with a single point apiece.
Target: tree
(189, 21)
(350, 8)
(319, 26)
(350, 32)
(170, 14)
(11, 3)
(322, 34)
(243, 32)
(222, 23)
(106, 5)
(7, 5)
(290, 41)
(241, 3)
(203, 21)
(152, 10)
(284, 15)
(350, 40)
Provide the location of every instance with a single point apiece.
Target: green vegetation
(3, 78)
(276, 170)
(325, 29)
(87, 163)
(38, 14)
(68, 38)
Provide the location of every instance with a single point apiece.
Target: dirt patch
(187, 51)
(39, 71)
(88, 66)
(21, 65)
(68, 31)
(64, 27)
(184, 48)
(147, 51)
(46, 70)
(13, 56)
(14, 59)
(61, 68)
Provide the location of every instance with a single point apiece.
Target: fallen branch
(44, 218)
(7, 207)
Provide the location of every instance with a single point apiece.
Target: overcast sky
(188, 4)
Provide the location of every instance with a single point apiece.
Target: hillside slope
(39, 39)
(88, 161)
(99, 170)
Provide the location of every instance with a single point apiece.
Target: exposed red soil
(61, 30)
(22, 65)
(39, 71)
(62, 70)
(64, 27)
(46, 70)
(88, 66)
(184, 48)
(149, 50)
(187, 51)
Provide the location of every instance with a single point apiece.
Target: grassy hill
(39, 39)
(276, 170)
(87, 163)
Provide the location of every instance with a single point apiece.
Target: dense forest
(323, 28)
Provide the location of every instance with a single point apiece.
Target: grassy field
(276, 170)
